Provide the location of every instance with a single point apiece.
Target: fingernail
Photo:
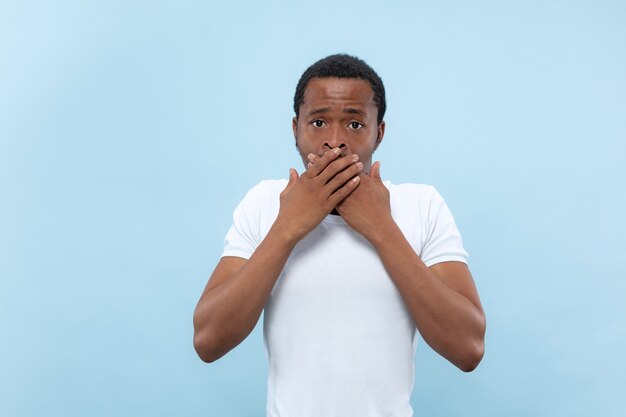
(309, 165)
(359, 165)
(337, 151)
(355, 157)
(311, 157)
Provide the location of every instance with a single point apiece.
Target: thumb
(293, 176)
(375, 170)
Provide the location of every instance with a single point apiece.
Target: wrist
(384, 232)
(282, 231)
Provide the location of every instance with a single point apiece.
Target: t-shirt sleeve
(242, 238)
(442, 240)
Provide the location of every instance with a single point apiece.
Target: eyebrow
(349, 110)
(353, 111)
(318, 111)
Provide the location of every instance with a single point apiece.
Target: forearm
(449, 322)
(226, 314)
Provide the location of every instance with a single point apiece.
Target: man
(345, 265)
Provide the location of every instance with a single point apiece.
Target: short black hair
(342, 66)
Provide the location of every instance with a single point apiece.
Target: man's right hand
(310, 197)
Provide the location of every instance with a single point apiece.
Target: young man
(346, 266)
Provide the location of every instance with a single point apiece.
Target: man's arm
(236, 294)
(238, 289)
(442, 300)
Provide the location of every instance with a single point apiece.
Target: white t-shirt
(338, 337)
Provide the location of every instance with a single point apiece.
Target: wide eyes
(352, 125)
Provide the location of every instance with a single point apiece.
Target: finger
(293, 176)
(336, 166)
(312, 158)
(339, 195)
(375, 170)
(319, 164)
(343, 176)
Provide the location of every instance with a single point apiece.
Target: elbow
(209, 346)
(200, 340)
(203, 342)
(211, 343)
(472, 357)
(202, 349)
(475, 350)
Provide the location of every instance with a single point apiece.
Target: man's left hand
(368, 207)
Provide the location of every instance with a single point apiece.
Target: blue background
(130, 131)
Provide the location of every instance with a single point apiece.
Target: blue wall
(128, 133)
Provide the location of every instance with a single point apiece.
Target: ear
(381, 133)
(294, 128)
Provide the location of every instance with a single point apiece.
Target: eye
(356, 125)
(318, 123)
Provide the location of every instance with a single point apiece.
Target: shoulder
(269, 186)
(411, 206)
(262, 202)
(412, 194)
(266, 190)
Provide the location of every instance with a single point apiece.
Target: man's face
(338, 112)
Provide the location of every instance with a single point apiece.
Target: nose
(336, 139)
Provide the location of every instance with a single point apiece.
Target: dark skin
(336, 133)
(341, 113)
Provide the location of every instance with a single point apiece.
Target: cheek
(366, 142)
(307, 141)
(303, 145)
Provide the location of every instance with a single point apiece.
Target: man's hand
(368, 209)
(308, 198)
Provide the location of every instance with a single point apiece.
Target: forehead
(354, 91)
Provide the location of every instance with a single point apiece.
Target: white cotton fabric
(338, 337)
